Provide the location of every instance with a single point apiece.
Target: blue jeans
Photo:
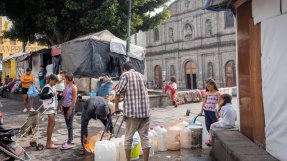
(210, 118)
(69, 123)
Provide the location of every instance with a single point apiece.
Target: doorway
(190, 75)
(188, 81)
(230, 73)
(194, 83)
(158, 77)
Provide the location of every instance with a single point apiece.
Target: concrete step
(231, 145)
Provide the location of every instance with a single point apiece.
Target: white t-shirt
(61, 85)
(174, 85)
(227, 116)
(53, 102)
(49, 69)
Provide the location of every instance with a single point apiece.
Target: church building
(193, 45)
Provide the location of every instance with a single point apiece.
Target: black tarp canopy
(218, 5)
(99, 53)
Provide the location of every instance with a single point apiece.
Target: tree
(57, 21)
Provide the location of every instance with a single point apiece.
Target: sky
(161, 8)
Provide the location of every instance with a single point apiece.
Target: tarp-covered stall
(99, 53)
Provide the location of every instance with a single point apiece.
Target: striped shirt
(211, 103)
(136, 101)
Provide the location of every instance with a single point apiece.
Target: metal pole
(129, 28)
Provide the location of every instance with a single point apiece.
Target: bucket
(93, 94)
(135, 153)
(196, 136)
(196, 133)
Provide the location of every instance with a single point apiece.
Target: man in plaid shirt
(136, 108)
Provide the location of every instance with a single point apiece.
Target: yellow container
(135, 153)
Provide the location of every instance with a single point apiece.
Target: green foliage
(57, 21)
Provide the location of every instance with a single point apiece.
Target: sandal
(208, 143)
(67, 146)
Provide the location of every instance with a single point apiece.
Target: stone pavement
(14, 118)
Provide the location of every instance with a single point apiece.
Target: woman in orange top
(26, 80)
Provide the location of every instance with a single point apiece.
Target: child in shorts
(49, 98)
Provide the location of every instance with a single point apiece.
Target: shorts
(141, 125)
(50, 110)
(24, 90)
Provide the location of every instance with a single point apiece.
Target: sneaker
(32, 110)
(25, 110)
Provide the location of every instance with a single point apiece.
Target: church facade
(193, 45)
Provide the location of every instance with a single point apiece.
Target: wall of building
(191, 34)
(8, 47)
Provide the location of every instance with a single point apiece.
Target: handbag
(32, 91)
(50, 103)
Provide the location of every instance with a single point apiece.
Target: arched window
(188, 31)
(170, 34)
(172, 70)
(208, 27)
(210, 70)
(156, 34)
(229, 19)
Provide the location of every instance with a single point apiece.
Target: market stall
(99, 53)
(91, 56)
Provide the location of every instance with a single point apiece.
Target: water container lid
(151, 128)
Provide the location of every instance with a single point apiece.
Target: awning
(41, 52)
(22, 57)
(217, 5)
(119, 46)
(13, 56)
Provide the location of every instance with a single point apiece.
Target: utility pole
(129, 29)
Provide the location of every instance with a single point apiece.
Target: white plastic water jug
(185, 138)
(103, 148)
(135, 153)
(151, 140)
(181, 123)
(122, 149)
(117, 141)
(155, 139)
(172, 137)
(157, 128)
(162, 132)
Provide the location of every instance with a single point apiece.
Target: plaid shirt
(136, 101)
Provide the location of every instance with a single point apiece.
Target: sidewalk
(13, 118)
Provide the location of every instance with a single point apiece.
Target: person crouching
(49, 98)
(95, 108)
